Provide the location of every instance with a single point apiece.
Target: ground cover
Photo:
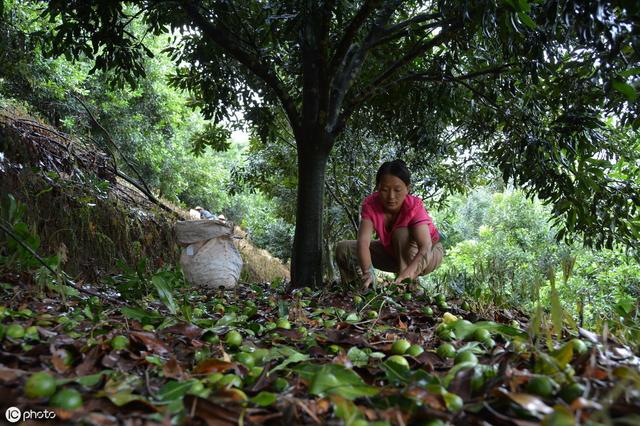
(259, 355)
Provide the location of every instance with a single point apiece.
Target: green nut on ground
(68, 399)
(400, 346)
(398, 359)
(119, 342)
(233, 339)
(40, 385)
(446, 350)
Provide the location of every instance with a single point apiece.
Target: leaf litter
(329, 360)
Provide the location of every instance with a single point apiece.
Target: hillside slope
(83, 209)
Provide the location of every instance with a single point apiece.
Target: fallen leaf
(429, 399)
(292, 334)
(59, 359)
(100, 419)
(592, 337)
(150, 341)
(530, 402)
(401, 325)
(173, 370)
(10, 374)
(263, 418)
(88, 364)
(213, 365)
(211, 413)
(185, 329)
(582, 403)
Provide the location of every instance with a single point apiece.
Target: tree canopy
(542, 90)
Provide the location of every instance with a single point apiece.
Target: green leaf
(352, 317)
(306, 371)
(561, 416)
(334, 379)
(556, 310)
(525, 19)
(187, 311)
(153, 359)
(141, 315)
(358, 357)
(500, 328)
(174, 390)
(451, 374)
(86, 381)
(215, 136)
(396, 373)
(283, 308)
(64, 289)
(510, 3)
(292, 357)
(626, 304)
(124, 397)
(546, 364)
(564, 355)
(164, 293)
(227, 319)
(464, 329)
(629, 72)
(345, 410)
(264, 399)
(625, 89)
(524, 6)
(627, 373)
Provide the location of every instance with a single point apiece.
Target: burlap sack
(209, 258)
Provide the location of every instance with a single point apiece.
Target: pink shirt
(411, 213)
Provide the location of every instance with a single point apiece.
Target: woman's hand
(367, 279)
(420, 234)
(409, 272)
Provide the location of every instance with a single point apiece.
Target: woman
(408, 241)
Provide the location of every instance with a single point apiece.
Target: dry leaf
(185, 329)
(213, 365)
(10, 374)
(173, 370)
(150, 341)
(58, 359)
(210, 412)
(530, 403)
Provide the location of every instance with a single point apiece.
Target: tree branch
(404, 32)
(350, 32)
(353, 60)
(323, 47)
(342, 204)
(142, 186)
(242, 23)
(110, 139)
(422, 17)
(440, 77)
(252, 62)
(373, 87)
(368, 90)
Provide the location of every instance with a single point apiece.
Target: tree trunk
(306, 259)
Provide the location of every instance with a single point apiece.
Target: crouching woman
(408, 242)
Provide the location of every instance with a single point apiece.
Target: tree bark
(306, 258)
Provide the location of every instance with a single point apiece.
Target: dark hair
(396, 168)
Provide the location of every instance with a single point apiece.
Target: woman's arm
(422, 236)
(364, 254)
